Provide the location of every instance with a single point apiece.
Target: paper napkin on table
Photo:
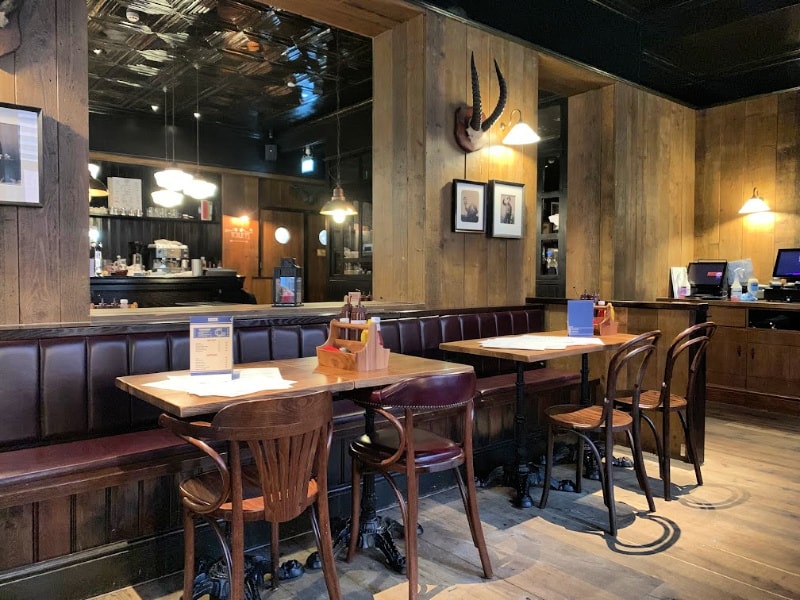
(244, 381)
(538, 342)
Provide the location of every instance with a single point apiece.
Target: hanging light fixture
(198, 188)
(172, 178)
(338, 206)
(97, 189)
(521, 133)
(755, 204)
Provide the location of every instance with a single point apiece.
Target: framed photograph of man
(469, 206)
(507, 209)
(20, 155)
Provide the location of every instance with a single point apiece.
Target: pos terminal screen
(787, 264)
(707, 276)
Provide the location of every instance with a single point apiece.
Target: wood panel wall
(631, 192)
(421, 76)
(43, 250)
(747, 144)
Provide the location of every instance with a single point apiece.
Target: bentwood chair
(401, 448)
(283, 474)
(693, 341)
(629, 360)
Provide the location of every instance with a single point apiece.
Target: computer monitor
(787, 265)
(707, 277)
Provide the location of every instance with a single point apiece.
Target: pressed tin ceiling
(247, 66)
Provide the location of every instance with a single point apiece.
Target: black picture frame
(469, 206)
(20, 155)
(507, 201)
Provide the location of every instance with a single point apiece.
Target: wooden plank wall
(631, 192)
(747, 144)
(43, 250)
(421, 76)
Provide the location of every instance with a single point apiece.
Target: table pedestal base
(374, 532)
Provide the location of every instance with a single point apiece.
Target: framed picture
(508, 209)
(469, 206)
(20, 155)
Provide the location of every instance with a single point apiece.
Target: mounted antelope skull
(470, 124)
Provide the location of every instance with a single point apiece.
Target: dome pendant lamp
(172, 178)
(338, 206)
(198, 188)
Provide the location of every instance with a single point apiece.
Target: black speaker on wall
(271, 152)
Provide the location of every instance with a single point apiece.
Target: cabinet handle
(752, 353)
(739, 351)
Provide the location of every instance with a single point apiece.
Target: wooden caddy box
(362, 356)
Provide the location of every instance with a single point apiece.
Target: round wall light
(282, 235)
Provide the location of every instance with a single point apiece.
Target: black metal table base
(212, 576)
(374, 532)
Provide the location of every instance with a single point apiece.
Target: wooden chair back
(289, 440)
(693, 340)
(629, 361)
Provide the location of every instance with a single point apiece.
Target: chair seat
(429, 449)
(651, 400)
(204, 489)
(586, 418)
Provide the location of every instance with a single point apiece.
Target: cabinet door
(727, 358)
(773, 366)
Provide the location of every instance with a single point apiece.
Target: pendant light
(338, 207)
(172, 178)
(198, 188)
(97, 189)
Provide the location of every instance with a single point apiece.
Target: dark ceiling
(699, 52)
(258, 69)
(244, 65)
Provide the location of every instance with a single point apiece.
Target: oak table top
(306, 372)
(529, 356)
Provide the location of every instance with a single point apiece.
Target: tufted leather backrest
(63, 388)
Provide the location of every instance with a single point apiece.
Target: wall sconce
(755, 204)
(520, 134)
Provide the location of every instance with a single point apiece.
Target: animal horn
(501, 101)
(475, 121)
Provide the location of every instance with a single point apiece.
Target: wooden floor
(738, 536)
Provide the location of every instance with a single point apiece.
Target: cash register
(787, 271)
(707, 279)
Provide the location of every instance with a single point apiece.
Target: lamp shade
(755, 204)
(97, 188)
(338, 207)
(199, 189)
(521, 134)
(167, 198)
(173, 179)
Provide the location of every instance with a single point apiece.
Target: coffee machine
(169, 257)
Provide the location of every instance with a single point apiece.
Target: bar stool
(403, 449)
(693, 340)
(288, 440)
(631, 358)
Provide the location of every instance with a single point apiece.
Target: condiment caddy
(354, 354)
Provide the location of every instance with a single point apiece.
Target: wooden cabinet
(755, 366)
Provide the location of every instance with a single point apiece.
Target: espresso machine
(169, 256)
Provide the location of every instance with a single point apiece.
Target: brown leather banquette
(85, 471)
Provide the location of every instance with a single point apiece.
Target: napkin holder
(605, 322)
(357, 355)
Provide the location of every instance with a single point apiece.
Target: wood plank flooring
(734, 537)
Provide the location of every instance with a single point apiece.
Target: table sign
(211, 346)
(580, 318)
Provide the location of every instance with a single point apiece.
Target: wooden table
(306, 372)
(309, 376)
(518, 471)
